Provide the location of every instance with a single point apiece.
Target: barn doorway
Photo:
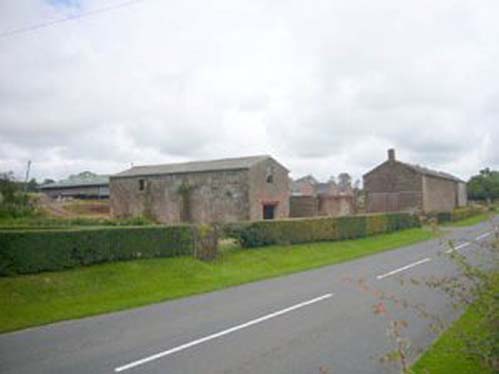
(269, 211)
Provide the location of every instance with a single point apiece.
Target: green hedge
(291, 231)
(33, 251)
(459, 214)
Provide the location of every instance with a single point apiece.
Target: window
(269, 211)
(142, 184)
(270, 175)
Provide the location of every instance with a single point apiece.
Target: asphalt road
(318, 321)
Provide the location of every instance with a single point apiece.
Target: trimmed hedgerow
(291, 231)
(33, 251)
(459, 214)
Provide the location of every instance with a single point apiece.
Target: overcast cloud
(323, 86)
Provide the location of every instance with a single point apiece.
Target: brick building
(312, 198)
(228, 190)
(398, 186)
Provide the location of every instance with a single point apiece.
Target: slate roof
(432, 173)
(239, 163)
(422, 170)
(97, 180)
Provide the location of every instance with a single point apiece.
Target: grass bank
(449, 354)
(471, 221)
(33, 300)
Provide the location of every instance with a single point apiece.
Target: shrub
(291, 231)
(33, 251)
(459, 214)
(206, 247)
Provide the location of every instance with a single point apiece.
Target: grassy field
(48, 297)
(471, 221)
(447, 354)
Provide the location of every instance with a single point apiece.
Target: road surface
(317, 321)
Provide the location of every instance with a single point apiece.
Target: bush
(33, 251)
(291, 231)
(459, 214)
(40, 222)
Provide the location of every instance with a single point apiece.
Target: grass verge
(33, 300)
(471, 221)
(450, 353)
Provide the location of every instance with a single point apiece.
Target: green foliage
(33, 251)
(43, 298)
(459, 214)
(13, 201)
(484, 186)
(41, 222)
(262, 233)
(206, 242)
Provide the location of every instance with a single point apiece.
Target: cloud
(324, 87)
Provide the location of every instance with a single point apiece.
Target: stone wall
(262, 192)
(439, 195)
(218, 196)
(303, 206)
(336, 206)
(462, 195)
(393, 187)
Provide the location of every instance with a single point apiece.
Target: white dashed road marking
(483, 236)
(221, 333)
(396, 271)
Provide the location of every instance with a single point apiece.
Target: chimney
(391, 155)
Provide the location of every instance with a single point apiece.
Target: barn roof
(432, 173)
(421, 170)
(239, 163)
(77, 181)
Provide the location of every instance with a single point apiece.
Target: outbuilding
(85, 185)
(226, 190)
(399, 186)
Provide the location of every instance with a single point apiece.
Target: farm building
(311, 198)
(85, 185)
(398, 186)
(246, 188)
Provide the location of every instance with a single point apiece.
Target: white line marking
(427, 259)
(460, 246)
(483, 236)
(222, 333)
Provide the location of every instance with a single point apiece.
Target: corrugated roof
(97, 180)
(194, 167)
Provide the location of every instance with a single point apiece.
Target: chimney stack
(391, 155)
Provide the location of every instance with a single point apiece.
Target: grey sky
(324, 86)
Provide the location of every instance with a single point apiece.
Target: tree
(344, 181)
(13, 201)
(32, 185)
(484, 186)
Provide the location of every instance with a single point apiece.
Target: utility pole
(27, 176)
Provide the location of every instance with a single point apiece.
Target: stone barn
(399, 186)
(228, 190)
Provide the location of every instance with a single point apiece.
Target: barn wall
(261, 192)
(218, 196)
(462, 195)
(303, 206)
(393, 187)
(440, 195)
(336, 206)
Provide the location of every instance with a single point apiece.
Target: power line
(27, 29)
